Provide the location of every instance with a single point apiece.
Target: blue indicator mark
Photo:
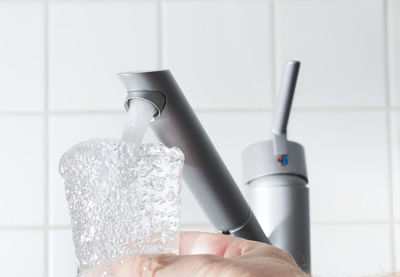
(283, 160)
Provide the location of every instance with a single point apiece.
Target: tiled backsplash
(58, 61)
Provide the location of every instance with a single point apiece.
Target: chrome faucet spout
(204, 172)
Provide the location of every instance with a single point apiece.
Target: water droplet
(170, 196)
(158, 183)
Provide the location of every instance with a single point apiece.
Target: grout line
(46, 139)
(301, 109)
(215, 0)
(274, 60)
(21, 1)
(297, 0)
(24, 228)
(386, 53)
(59, 227)
(34, 227)
(91, 1)
(391, 188)
(389, 132)
(213, 110)
(349, 223)
(160, 33)
(247, 0)
(20, 113)
(72, 112)
(199, 225)
(111, 1)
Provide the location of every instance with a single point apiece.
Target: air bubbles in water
(123, 196)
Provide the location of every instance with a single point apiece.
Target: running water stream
(140, 114)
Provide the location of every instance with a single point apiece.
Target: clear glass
(123, 200)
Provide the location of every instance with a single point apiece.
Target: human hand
(209, 255)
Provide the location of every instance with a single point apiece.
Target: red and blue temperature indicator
(283, 160)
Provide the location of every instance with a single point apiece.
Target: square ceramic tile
(341, 47)
(347, 161)
(22, 253)
(22, 56)
(90, 42)
(62, 254)
(394, 53)
(220, 51)
(396, 163)
(22, 162)
(351, 250)
(232, 132)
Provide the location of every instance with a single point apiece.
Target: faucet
(204, 172)
(176, 124)
(276, 177)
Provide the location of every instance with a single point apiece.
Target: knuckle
(280, 254)
(286, 256)
(207, 265)
(144, 266)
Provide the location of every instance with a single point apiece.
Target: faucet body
(276, 177)
(204, 172)
(279, 197)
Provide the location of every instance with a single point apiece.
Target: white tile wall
(348, 164)
(224, 58)
(396, 164)
(351, 250)
(227, 56)
(394, 45)
(240, 134)
(397, 247)
(240, 129)
(22, 56)
(22, 253)
(342, 49)
(62, 254)
(65, 132)
(22, 159)
(91, 41)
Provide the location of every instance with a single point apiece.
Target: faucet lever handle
(283, 107)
